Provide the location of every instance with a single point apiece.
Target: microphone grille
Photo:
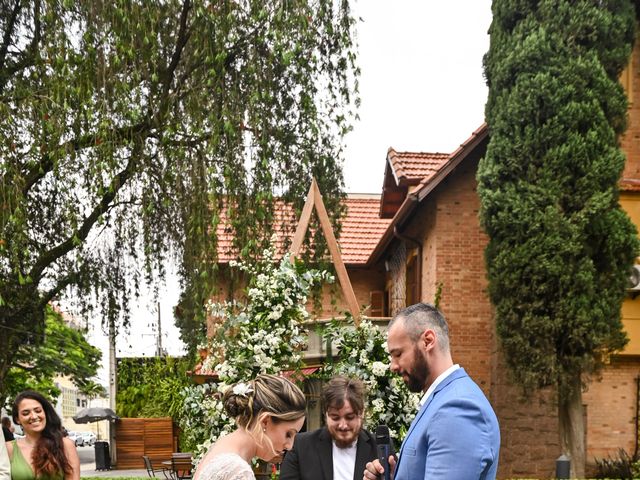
(382, 434)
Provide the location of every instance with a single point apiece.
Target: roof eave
(405, 210)
(629, 185)
(456, 158)
(391, 154)
(413, 199)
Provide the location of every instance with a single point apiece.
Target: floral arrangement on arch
(264, 335)
(363, 354)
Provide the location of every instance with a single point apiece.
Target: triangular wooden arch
(314, 198)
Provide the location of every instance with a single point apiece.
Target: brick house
(421, 239)
(434, 247)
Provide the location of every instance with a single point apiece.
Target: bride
(269, 411)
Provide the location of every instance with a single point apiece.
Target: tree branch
(61, 284)
(183, 38)
(50, 256)
(29, 53)
(6, 39)
(39, 170)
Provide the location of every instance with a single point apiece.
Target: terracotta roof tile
(284, 226)
(409, 168)
(458, 153)
(361, 230)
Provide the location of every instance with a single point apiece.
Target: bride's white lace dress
(226, 466)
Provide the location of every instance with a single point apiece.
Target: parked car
(76, 437)
(88, 438)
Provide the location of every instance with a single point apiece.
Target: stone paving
(88, 466)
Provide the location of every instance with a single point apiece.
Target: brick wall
(630, 142)
(363, 281)
(460, 270)
(611, 399)
(530, 443)
(455, 244)
(611, 409)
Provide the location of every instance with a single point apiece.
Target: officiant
(342, 447)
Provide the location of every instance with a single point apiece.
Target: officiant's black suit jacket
(311, 457)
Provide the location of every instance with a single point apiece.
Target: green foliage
(152, 387)
(362, 353)
(621, 466)
(267, 334)
(203, 418)
(63, 350)
(93, 390)
(129, 129)
(560, 245)
(438, 295)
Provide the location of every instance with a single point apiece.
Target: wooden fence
(155, 437)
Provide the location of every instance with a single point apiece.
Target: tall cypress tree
(560, 246)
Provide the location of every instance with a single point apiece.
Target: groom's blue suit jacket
(455, 435)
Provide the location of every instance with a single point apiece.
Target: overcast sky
(422, 85)
(422, 89)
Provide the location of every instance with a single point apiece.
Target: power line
(53, 335)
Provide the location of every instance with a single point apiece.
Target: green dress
(21, 470)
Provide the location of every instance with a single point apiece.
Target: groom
(455, 435)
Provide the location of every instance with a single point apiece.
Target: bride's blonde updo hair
(266, 395)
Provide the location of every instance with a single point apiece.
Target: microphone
(385, 449)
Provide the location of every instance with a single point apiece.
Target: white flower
(379, 369)
(378, 405)
(246, 346)
(242, 389)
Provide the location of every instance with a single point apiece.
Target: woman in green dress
(44, 453)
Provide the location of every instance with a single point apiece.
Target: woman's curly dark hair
(48, 455)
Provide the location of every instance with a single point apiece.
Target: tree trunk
(113, 388)
(572, 428)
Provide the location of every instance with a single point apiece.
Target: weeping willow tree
(560, 246)
(127, 127)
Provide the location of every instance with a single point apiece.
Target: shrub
(622, 466)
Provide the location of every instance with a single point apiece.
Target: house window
(411, 279)
(388, 298)
(379, 303)
(69, 402)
